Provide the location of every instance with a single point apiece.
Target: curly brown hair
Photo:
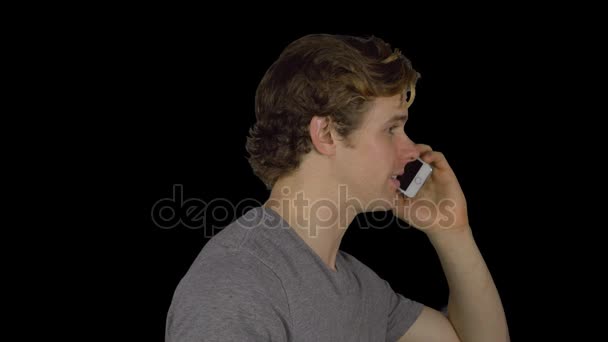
(333, 76)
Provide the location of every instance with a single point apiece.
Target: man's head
(338, 80)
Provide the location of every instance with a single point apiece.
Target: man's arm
(474, 307)
(475, 312)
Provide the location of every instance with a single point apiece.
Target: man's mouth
(395, 181)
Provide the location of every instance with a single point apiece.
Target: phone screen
(409, 172)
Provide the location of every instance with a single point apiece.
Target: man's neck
(315, 214)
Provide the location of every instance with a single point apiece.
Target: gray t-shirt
(257, 280)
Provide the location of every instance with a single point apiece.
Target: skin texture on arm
(475, 311)
(431, 326)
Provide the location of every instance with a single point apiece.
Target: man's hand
(440, 204)
(440, 211)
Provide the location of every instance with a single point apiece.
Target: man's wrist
(451, 235)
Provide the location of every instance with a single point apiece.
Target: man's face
(381, 150)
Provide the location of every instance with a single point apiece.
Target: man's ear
(322, 135)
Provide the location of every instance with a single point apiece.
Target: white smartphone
(413, 178)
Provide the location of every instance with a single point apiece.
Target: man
(328, 142)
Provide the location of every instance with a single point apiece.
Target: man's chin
(381, 204)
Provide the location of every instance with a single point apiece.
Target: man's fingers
(436, 159)
(423, 148)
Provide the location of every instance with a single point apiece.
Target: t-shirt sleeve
(225, 302)
(402, 313)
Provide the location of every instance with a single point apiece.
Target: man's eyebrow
(398, 117)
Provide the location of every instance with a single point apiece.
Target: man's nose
(408, 151)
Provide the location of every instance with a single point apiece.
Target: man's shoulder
(228, 257)
(227, 284)
(228, 276)
(228, 267)
(234, 235)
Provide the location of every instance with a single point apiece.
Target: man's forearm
(474, 306)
